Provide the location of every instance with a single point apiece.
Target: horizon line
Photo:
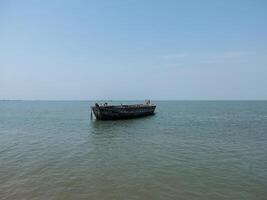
(133, 99)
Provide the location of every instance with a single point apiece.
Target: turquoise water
(188, 150)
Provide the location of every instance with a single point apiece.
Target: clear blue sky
(63, 50)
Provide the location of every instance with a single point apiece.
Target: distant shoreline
(140, 100)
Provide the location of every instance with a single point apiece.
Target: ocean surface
(188, 150)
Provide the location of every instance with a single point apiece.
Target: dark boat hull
(122, 112)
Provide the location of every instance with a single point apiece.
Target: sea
(188, 150)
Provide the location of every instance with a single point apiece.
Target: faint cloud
(207, 57)
(224, 57)
(173, 56)
(233, 55)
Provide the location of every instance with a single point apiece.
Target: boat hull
(122, 112)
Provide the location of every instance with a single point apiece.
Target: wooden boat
(113, 112)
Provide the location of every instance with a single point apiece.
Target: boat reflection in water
(113, 112)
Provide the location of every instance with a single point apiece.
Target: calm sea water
(188, 150)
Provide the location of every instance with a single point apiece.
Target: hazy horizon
(175, 50)
(116, 100)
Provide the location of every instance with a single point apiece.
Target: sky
(133, 50)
